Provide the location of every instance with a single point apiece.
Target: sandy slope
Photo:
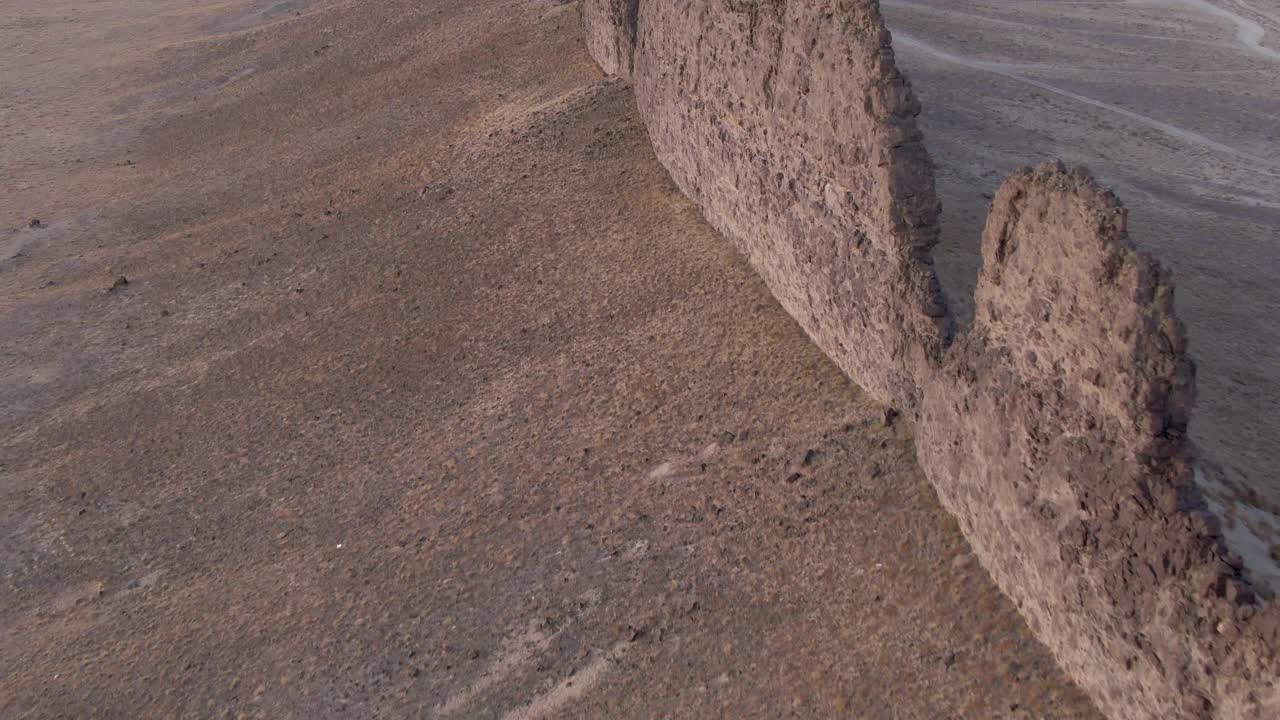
(428, 395)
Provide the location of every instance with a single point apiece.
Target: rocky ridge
(1055, 428)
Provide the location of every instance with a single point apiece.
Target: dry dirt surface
(1174, 104)
(360, 360)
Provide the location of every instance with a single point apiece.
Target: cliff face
(611, 33)
(1054, 429)
(748, 105)
(1056, 433)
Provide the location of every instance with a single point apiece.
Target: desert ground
(360, 360)
(1174, 104)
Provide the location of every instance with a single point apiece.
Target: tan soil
(428, 395)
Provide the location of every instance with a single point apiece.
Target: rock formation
(1056, 434)
(1055, 428)
(747, 104)
(611, 33)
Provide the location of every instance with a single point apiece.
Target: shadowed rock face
(611, 33)
(1055, 429)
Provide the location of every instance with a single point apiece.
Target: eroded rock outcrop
(748, 107)
(1055, 428)
(1056, 434)
(611, 33)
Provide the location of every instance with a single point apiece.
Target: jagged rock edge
(1055, 428)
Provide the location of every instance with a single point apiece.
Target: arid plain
(360, 359)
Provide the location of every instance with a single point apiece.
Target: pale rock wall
(1056, 434)
(1054, 429)
(748, 107)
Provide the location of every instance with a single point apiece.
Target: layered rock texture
(1055, 428)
